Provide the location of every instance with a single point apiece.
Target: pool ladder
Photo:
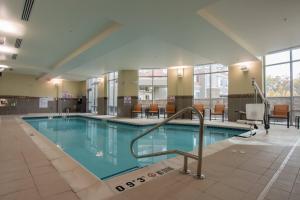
(186, 155)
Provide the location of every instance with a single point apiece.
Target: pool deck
(260, 167)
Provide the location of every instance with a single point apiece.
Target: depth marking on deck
(142, 179)
(265, 191)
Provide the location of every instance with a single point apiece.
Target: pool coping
(87, 185)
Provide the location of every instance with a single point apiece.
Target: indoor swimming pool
(103, 147)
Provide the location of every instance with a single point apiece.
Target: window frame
(152, 81)
(291, 81)
(210, 73)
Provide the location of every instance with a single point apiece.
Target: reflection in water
(103, 147)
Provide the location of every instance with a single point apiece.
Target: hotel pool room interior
(158, 100)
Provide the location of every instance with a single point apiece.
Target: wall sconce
(100, 80)
(180, 72)
(244, 68)
(56, 81)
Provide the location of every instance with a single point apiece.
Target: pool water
(104, 147)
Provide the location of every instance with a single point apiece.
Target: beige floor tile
(296, 188)
(30, 194)
(36, 171)
(224, 192)
(53, 154)
(294, 196)
(276, 194)
(48, 178)
(79, 179)
(283, 185)
(238, 183)
(64, 164)
(95, 192)
(63, 196)
(15, 175)
(50, 189)
(17, 185)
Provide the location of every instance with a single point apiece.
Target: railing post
(185, 155)
(185, 163)
(200, 150)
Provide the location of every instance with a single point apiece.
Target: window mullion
(291, 87)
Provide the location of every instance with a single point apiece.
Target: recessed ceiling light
(6, 49)
(11, 28)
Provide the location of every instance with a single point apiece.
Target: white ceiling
(262, 25)
(153, 33)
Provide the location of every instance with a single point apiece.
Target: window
(211, 84)
(153, 86)
(112, 93)
(282, 79)
(92, 94)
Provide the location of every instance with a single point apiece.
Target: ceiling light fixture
(7, 49)
(11, 28)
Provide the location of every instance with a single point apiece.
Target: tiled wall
(183, 102)
(102, 105)
(124, 109)
(237, 102)
(25, 105)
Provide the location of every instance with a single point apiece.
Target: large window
(211, 84)
(282, 78)
(92, 94)
(153, 86)
(112, 93)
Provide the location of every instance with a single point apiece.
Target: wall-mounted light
(56, 81)
(3, 67)
(100, 80)
(180, 72)
(244, 68)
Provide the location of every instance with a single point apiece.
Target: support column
(127, 87)
(102, 96)
(181, 88)
(240, 90)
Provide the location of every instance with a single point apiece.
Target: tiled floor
(240, 172)
(244, 170)
(25, 173)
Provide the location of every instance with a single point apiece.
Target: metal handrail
(175, 151)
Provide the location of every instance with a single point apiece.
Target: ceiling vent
(14, 56)
(18, 42)
(27, 10)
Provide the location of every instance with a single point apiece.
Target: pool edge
(175, 163)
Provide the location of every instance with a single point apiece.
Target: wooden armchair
(281, 112)
(137, 109)
(170, 109)
(153, 110)
(200, 108)
(219, 110)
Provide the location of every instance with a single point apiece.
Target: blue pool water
(103, 147)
